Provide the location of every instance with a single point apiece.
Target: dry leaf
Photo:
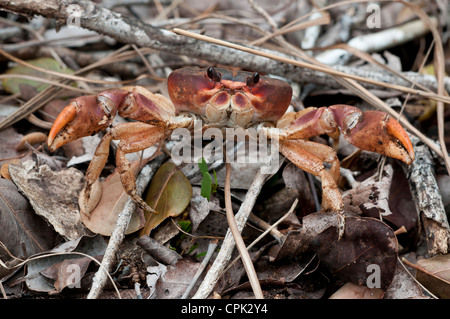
(67, 273)
(366, 243)
(4, 170)
(23, 233)
(53, 195)
(176, 280)
(108, 199)
(169, 194)
(352, 291)
(434, 274)
(65, 263)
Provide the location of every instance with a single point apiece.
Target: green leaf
(12, 85)
(185, 225)
(169, 194)
(206, 185)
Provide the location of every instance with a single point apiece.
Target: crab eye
(213, 74)
(252, 80)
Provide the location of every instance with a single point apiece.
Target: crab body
(224, 98)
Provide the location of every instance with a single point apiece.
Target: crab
(224, 98)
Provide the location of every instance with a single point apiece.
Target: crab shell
(229, 99)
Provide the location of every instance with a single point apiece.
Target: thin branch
(246, 259)
(228, 244)
(118, 233)
(211, 248)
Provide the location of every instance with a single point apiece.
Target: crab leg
(331, 197)
(324, 153)
(372, 130)
(88, 115)
(133, 137)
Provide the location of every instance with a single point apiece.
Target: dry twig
(118, 234)
(228, 244)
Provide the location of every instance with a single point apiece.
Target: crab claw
(84, 116)
(373, 131)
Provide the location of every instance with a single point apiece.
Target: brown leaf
(53, 195)
(367, 247)
(169, 194)
(434, 274)
(176, 280)
(63, 259)
(110, 199)
(67, 273)
(23, 233)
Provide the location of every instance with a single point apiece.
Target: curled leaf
(434, 274)
(169, 194)
(32, 138)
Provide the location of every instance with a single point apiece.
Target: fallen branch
(429, 205)
(125, 30)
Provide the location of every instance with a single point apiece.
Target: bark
(429, 205)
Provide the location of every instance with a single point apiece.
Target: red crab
(225, 98)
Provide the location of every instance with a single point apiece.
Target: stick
(245, 256)
(268, 230)
(227, 247)
(429, 205)
(211, 247)
(118, 234)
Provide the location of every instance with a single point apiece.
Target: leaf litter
(40, 202)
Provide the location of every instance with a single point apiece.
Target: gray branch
(88, 15)
(429, 205)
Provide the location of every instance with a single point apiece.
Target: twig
(429, 205)
(211, 248)
(256, 221)
(377, 41)
(118, 233)
(227, 247)
(404, 261)
(268, 230)
(246, 259)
